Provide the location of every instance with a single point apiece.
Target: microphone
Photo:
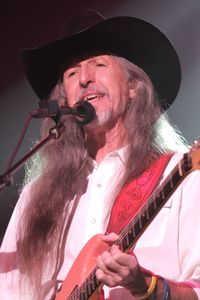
(82, 111)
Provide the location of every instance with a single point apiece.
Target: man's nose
(87, 76)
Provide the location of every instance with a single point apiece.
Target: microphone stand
(54, 133)
(83, 112)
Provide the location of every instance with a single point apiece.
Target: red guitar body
(82, 267)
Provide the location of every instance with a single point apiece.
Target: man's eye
(70, 74)
(101, 65)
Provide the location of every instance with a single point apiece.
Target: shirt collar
(120, 153)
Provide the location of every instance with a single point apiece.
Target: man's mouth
(92, 97)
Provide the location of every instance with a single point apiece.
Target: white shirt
(169, 247)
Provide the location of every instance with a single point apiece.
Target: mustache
(92, 89)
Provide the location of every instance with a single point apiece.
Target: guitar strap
(134, 195)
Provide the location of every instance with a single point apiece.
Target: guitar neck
(131, 233)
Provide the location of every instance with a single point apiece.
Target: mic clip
(82, 111)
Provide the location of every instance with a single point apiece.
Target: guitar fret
(75, 294)
(88, 289)
(167, 188)
(171, 182)
(163, 194)
(137, 227)
(180, 169)
(187, 163)
(127, 237)
(177, 177)
(140, 221)
(147, 213)
(93, 284)
(123, 244)
(133, 232)
(155, 204)
(83, 295)
(96, 282)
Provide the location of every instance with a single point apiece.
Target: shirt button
(99, 185)
(93, 221)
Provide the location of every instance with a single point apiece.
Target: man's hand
(118, 268)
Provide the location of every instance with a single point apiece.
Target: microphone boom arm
(83, 113)
(54, 133)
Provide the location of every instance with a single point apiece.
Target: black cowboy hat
(129, 37)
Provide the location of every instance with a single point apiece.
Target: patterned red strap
(134, 195)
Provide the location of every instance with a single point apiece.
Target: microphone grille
(85, 112)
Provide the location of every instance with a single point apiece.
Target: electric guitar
(81, 282)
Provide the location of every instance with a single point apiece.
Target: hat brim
(136, 40)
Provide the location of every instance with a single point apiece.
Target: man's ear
(133, 86)
(132, 93)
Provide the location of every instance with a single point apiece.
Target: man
(79, 180)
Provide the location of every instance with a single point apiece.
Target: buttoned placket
(90, 213)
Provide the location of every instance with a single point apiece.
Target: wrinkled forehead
(73, 60)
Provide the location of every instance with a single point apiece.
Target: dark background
(25, 24)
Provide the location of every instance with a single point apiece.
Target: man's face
(102, 81)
